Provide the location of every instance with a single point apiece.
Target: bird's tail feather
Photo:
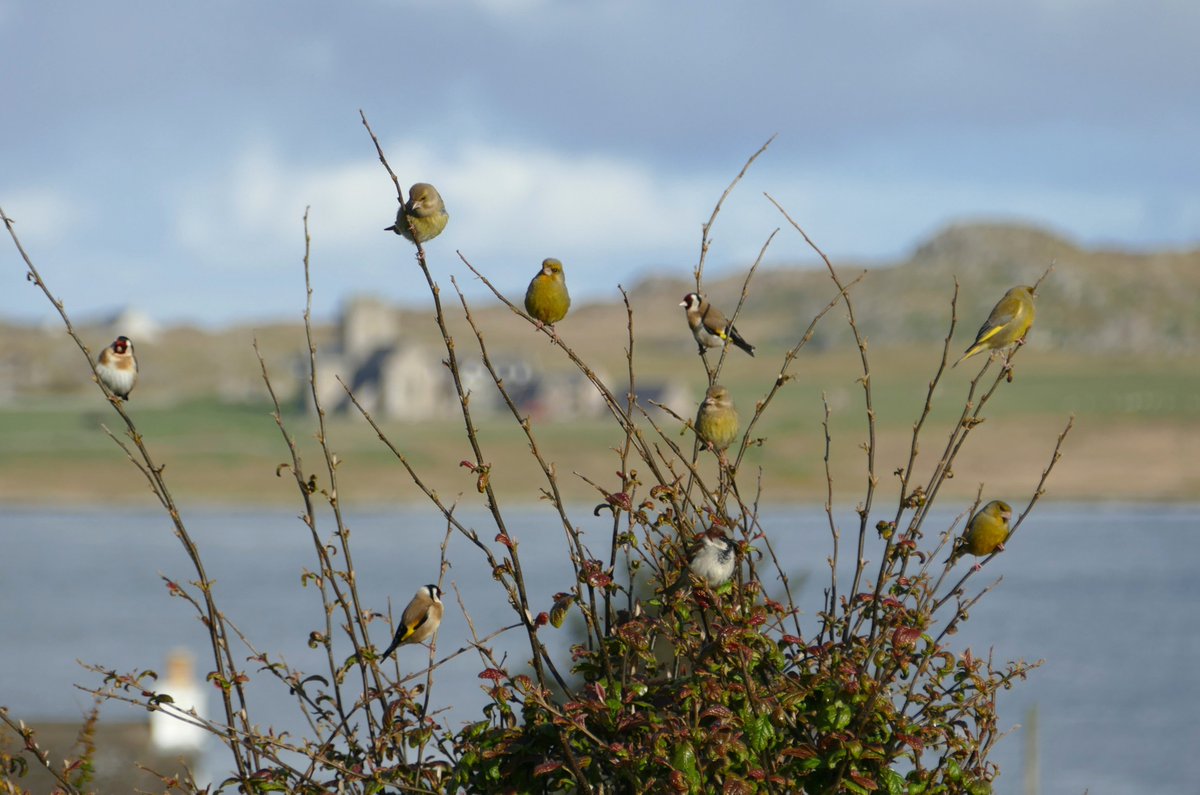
(741, 343)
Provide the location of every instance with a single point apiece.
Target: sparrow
(709, 326)
(985, 533)
(711, 559)
(117, 367)
(547, 300)
(420, 618)
(1008, 323)
(423, 216)
(717, 420)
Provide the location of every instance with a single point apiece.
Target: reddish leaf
(717, 711)
(620, 500)
(863, 781)
(905, 636)
(546, 767)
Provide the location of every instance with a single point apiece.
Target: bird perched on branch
(117, 367)
(711, 559)
(1008, 323)
(547, 300)
(717, 420)
(420, 618)
(985, 533)
(709, 326)
(423, 216)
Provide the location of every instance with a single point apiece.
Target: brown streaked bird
(420, 618)
(717, 420)
(423, 216)
(711, 559)
(986, 532)
(709, 326)
(1008, 323)
(547, 299)
(117, 367)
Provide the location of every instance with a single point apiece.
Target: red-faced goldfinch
(709, 326)
(711, 559)
(117, 367)
(420, 618)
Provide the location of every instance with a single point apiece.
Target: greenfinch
(985, 533)
(423, 216)
(420, 619)
(547, 299)
(709, 326)
(1008, 323)
(717, 420)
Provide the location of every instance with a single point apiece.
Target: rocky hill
(1096, 302)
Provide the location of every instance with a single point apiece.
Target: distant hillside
(1095, 301)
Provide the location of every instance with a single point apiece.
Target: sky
(161, 155)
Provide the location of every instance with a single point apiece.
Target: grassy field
(1137, 425)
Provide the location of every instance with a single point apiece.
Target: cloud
(507, 204)
(40, 214)
(252, 210)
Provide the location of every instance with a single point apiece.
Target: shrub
(685, 689)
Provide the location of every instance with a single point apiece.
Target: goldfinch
(711, 560)
(985, 533)
(1008, 323)
(117, 367)
(709, 326)
(420, 618)
(547, 300)
(423, 217)
(717, 420)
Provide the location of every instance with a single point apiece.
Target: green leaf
(759, 731)
(683, 759)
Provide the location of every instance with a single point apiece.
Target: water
(1106, 595)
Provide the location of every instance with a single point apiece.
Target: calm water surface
(1107, 596)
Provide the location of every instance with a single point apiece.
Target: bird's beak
(683, 303)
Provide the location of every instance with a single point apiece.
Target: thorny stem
(29, 738)
(580, 553)
(831, 594)
(705, 240)
(522, 601)
(864, 510)
(226, 668)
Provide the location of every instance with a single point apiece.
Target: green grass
(58, 446)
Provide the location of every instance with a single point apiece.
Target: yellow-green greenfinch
(423, 217)
(709, 326)
(1008, 323)
(717, 420)
(547, 299)
(985, 533)
(420, 619)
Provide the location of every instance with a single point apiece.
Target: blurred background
(157, 160)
